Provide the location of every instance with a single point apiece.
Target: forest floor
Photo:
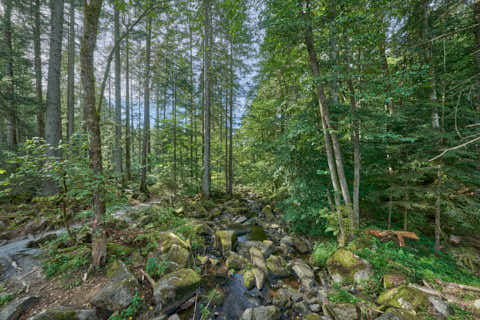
(226, 258)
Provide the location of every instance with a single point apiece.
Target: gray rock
(261, 313)
(277, 267)
(259, 278)
(16, 308)
(282, 299)
(265, 246)
(389, 316)
(257, 259)
(305, 274)
(440, 306)
(236, 261)
(66, 313)
(174, 317)
(315, 307)
(301, 245)
(344, 311)
(225, 240)
(119, 292)
(301, 308)
(174, 288)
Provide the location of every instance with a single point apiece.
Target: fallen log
(397, 236)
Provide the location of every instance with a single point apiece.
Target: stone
(259, 278)
(174, 288)
(236, 261)
(35, 226)
(277, 267)
(119, 292)
(174, 317)
(476, 305)
(265, 246)
(61, 313)
(302, 270)
(440, 306)
(346, 311)
(398, 314)
(167, 239)
(315, 307)
(179, 255)
(312, 316)
(203, 259)
(249, 279)
(268, 212)
(404, 298)
(392, 280)
(261, 313)
(389, 316)
(301, 245)
(42, 240)
(257, 259)
(301, 307)
(282, 299)
(16, 308)
(344, 266)
(225, 240)
(2, 225)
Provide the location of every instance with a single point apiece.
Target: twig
(152, 282)
(455, 148)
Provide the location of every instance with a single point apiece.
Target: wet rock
(179, 255)
(277, 267)
(261, 313)
(393, 280)
(346, 311)
(61, 313)
(225, 240)
(259, 278)
(174, 288)
(344, 266)
(174, 317)
(404, 297)
(257, 259)
(119, 292)
(236, 261)
(167, 239)
(440, 306)
(301, 308)
(249, 279)
(16, 308)
(266, 247)
(35, 226)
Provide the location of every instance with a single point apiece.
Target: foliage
(128, 313)
(321, 251)
(65, 261)
(341, 295)
(418, 262)
(155, 268)
(6, 298)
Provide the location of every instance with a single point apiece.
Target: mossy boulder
(174, 288)
(167, 239)
(225, 240)
(249, 279)
(277, 267)
(16, 308)
(120, 290)
(404, 297)
(344, 266)
(118, 250)
(179, 255)
(261, 313)
(345, 311)
(236, 261)
(66, 313)
(268, 212)
(313, 316)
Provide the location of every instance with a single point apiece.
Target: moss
(393, 280)
(345, 266)
(58, 315)
(249, 279)
(176, 285)
(404, 298)
(312, 316)
(118, 249)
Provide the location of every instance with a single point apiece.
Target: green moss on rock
(404, 297)
(344, 266)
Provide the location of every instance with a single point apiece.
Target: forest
(239, 159)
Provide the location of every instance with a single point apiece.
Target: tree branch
(455, 148)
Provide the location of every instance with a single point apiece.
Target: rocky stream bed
(244, 265)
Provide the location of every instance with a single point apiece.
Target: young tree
(146, 106)
(117, 155)
(71, 73)
(207, 96)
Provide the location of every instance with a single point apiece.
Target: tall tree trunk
(53, 126)
(207, 96)
(146, 106)
(38, 70)
(192, 118)
(12, 112)
(91, 10)
(71, 73)
(174, 129)
(226, 141)
(308, 34)
(230, 147)
(127, 109)
(117, 155)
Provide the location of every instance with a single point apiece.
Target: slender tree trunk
(127, 109)
(230, 148)
(174, 116)
(146, 106)
(192, 118)
(226, 141)
(53, 126)
(117, 155)
(12, 112)
(38, 70)
(92, 9)
(207, 95)
(71, 73)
